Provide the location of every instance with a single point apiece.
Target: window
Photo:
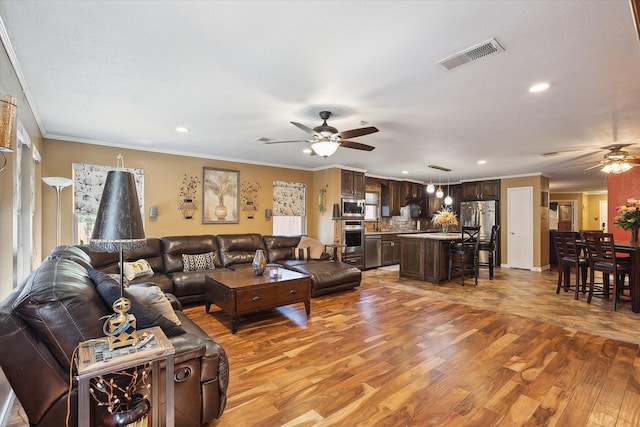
(289, 201)
(288, 225)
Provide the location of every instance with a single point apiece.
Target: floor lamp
(58, 183)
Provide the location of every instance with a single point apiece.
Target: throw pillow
(138, 268)
(146, 317)
(155, 299)
(316, 247)
(198, 262)
(301, 253)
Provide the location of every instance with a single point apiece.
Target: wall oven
(352, 235)
(353, 208)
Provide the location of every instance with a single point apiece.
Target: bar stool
(467, 248)
(569, 258)
(602, 257)
(489, 247)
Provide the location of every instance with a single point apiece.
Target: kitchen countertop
(434, 236)
(373, 233)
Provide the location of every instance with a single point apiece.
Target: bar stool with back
(489, 246)
(569, 258)
(602, 257)
(467, 250)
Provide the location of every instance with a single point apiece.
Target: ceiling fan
(326, 139)
(616, 160)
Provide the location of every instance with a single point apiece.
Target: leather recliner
(56, 308)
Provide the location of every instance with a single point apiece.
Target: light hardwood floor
(398, 352)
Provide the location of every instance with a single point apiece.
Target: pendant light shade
(431, 188)
(439, 193)
(448, 201)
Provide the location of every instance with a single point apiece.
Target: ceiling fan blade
(307, 129)
(356, 145)
(284, 142)
(594, 166)
(357, 132)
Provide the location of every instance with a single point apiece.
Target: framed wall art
(220, 196)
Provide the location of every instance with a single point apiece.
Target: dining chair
(489, 246)
(602, 257)
(466, 250)
(570, 258)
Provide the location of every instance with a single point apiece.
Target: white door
(603, 216)
(520, 227)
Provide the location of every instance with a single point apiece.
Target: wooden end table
(240, 292)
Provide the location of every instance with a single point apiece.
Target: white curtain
(289, 198)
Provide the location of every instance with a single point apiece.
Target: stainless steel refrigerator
(480, 213)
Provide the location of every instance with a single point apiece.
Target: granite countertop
(433, 236)
(373, 233)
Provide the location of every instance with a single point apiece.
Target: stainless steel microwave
(353, 208)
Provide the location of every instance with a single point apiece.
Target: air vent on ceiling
(489, 47)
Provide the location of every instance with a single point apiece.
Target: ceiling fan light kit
(616, 167)
(324, 148)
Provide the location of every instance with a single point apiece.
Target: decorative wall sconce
(187, 197)
(7, 132)
(322, 199)
(249, 198)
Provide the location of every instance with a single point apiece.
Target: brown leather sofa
(58, 306)
(232, 251)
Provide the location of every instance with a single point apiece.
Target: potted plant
(445, 217)
(628, 218)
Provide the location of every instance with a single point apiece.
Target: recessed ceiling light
(182, 129)
(307, 151)
(539, 87)
(482, 162)
(405, 172)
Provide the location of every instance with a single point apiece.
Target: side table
(91, 362)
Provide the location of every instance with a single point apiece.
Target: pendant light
(439, 192)
(430, 187)
(448, 201)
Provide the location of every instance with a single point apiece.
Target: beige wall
(539, 183)
(163, 178)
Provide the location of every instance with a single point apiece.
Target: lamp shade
(336, 211)
(118, 223)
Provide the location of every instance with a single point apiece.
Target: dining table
(633, 250)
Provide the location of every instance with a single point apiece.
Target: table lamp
(119, 227)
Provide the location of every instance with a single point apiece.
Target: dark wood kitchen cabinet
(395, 197)
(481, 190)
(390, 249)
(412, 191)
(353, 184)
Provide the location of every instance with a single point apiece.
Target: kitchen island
(425, 256)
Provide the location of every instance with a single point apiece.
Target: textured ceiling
(127, 73)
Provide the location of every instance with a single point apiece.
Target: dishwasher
(373, 251)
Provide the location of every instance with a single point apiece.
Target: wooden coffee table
(240, 292)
